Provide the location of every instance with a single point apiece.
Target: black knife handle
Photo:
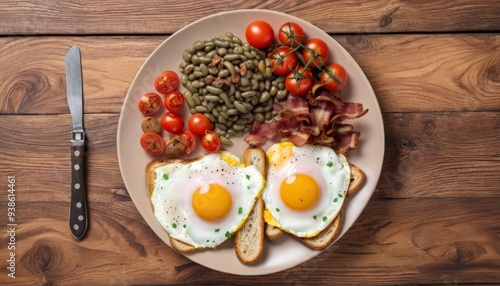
(78, 220)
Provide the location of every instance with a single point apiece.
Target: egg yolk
(299, 192)
(211, 202)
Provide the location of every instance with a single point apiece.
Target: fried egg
(203, 202)
(306, 187)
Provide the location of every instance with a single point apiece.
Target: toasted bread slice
(249, 239)
(357, 180)
(325, 237)
(272, 232)
(181, 246)
(150, 179)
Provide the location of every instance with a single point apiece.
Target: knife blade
(78, 220)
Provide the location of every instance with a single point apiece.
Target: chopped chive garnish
(217, 229)
(174, 225)
(165, 176)
(240, 210)
(329, 164)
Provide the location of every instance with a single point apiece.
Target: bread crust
(357, 180)
(326, 237)
(273, 232)
(181, 246)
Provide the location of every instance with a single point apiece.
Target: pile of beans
(231, 83)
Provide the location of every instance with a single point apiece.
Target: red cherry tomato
(334, 77)
(199, 124)
(174, 101)
(172, 122)
(166, 81)
(290, 34)
(299, 82)
(152, 143)
(210, 141)
(259, 34)
(149, 103)
(283, 60)
(190, 140)
(315, 53)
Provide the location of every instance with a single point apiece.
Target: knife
(78, 221)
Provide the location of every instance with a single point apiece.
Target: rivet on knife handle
(78, 220)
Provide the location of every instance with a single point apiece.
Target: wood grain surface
(434, 217)
(84, 17)
(463, 76)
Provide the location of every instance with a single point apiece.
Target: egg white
(174, 187)
(331, 172)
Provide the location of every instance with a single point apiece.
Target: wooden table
(434, 217)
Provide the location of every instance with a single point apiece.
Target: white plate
(285, 252)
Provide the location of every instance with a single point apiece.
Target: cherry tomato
(315, 53)
(290, 34)
(334, 77)
(172, 122)
(283, 60)
(174, 101)
(149, 103)
(210, 141)
(152, 143)
(166, 81)
(199, 124)
(299, 82)
(259, 34)
(190, 140)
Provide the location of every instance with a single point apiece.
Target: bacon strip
(312, 119)
(346, 141)
(297, 104)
